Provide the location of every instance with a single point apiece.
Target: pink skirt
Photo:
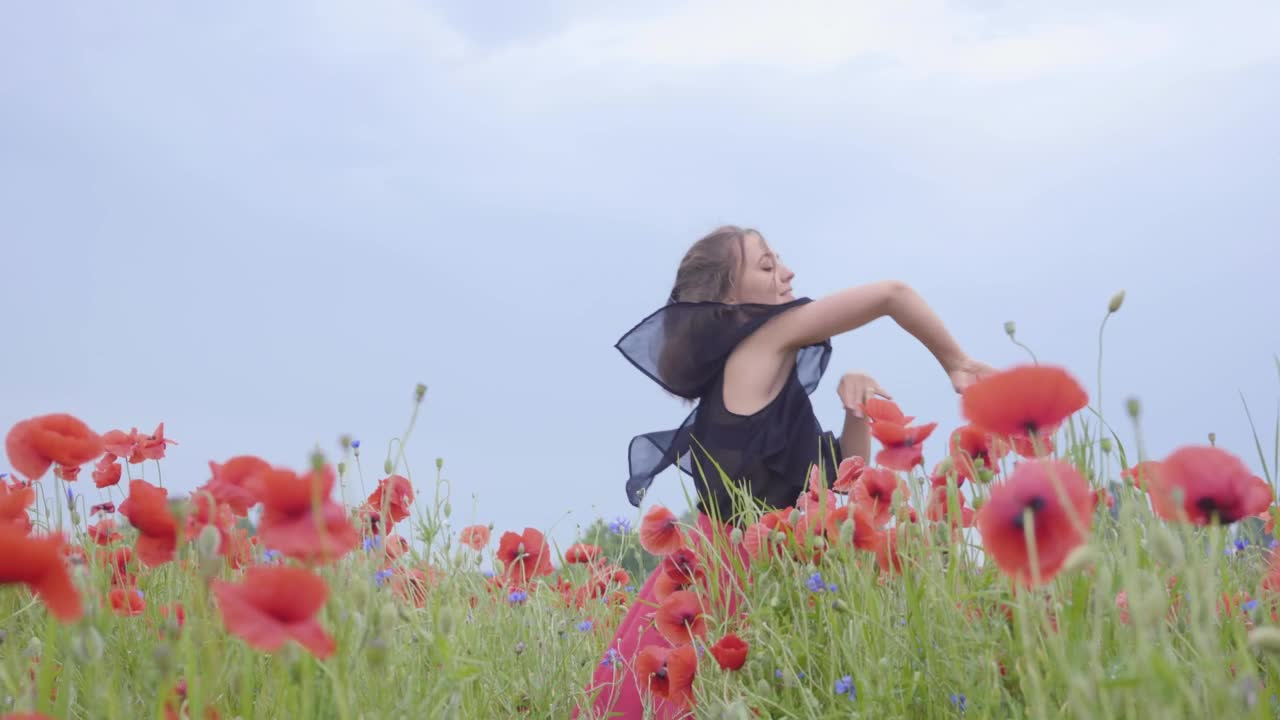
(617, 692)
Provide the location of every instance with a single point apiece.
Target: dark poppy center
(1030, 427)
(1035, 504)
(1210, 507)
(661, 674)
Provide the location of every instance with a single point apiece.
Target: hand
(857, 388)
(967, 372)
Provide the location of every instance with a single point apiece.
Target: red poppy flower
(680, 618)
(874, 492)
(239, 548)
(524, 556)
(902, 444)
(107, 472)
(203, 511)
(1141, 474)
(971, 446)
(124, 445)
(152, 447)
(104, 532)
(37, 563)
(68, 473)
(392, 498)
(1103, 496)
(887, 556)
(660, 531)
(127, 602)
(35, 444)
(817, 499)
(232, 482)
(730, 652)
(1034, 486)
(866, 534)
(273, 605)
(939, 509)
(581, 553)
(299, 518)
(757, 539)
(1023, 400)
(848, 473)
(106, 507)
(118, 561)
(474, 537)
(1040, 444)
(147, 509)
(881, 410)
(14, 501)
(667, 672)
(1213, 484)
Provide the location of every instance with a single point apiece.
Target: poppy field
(1037, 565)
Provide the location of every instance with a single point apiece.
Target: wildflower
(273, 605)
(269, 555)
(395, 492)
(487, 573)
(39, 442)
(1249, 605)
(1029, 400)
(730, 652)
(853, 525)
(355, 444)
(1033, 487)
(381, 576)
(846, 686)
(611, 657)
(660, 531)
(299, 518)
(372, 542)
(524, 556)
(520, 647)
(231, 482)
(581, 553)
(959, 701)
(147, 509)
(874, 492)
(620, 526)
(127, 602)
(474, 537)
(679, 617)
(517, 597)
(14, 501)
(971, 448)
(815, 582)
(667, 672)
(1214, 485)
(37, 563)
(902, 444)
(584, 626)
(881, 410)
(848, 472)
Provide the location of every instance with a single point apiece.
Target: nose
(787, 274)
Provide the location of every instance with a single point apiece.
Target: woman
(734, 338)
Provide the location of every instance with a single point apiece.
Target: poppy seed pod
(1116, 301)
(1010, 328)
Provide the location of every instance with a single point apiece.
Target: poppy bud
(1081, 558)
(735, 537)
(1265, 639)
(419, 392)
(317, 461)
(87, 645)
(75, 517)
(439, 463)
(342, 468)
(208, 542)
(1213, 439)
(846, 532)
(1010, 328)
(1105, 445)
(388, 467)
(984, 476)
(1133, 407)
(794, 518)
(1165, 547)
(448, 508)
(839, 605)
(34, 647)
(1116, 301)
(345, 441)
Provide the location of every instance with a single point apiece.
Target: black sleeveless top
(684, 347)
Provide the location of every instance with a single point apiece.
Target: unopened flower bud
(735, 537)
(794, 518)
(985, 476)
(448, 508)
(317, 461)
(342, 468)
(439, 463)
(1133, 407)
(1010, 328)
(208, 542)
(1213, 438)
(1265, 638)
(846, 532)
(419, 392)
(75, 517)
(345, 441)
(1105, 445)
(1116, 301)
(1165, 547)
(34, 647)
(388, 467)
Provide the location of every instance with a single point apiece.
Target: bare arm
(856, 437)
(852, 308)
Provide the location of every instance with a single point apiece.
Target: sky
(264, 223)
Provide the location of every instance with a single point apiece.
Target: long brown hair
(708, 273)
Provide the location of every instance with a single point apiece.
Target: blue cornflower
(381, 576)
(1273, 544)
(487, 573)
(372, 542)
(815, 582)
(620, 526)
(269, 555)
(584, 626)
(1241, 544)
(355, 444)
(777, 673)
(831, 587)
(71, 498)
(845, 686)
(517, 597)
(959, 701)
(1249, 606)
(630, 588)
(3, 475)
(612, 657)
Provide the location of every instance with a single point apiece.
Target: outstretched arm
(852, 308)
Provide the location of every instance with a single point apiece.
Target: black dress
(684, 347)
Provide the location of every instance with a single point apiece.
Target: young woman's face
(764, 278)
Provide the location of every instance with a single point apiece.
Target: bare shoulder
(826, 317)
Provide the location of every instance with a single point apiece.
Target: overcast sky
(263, 223)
